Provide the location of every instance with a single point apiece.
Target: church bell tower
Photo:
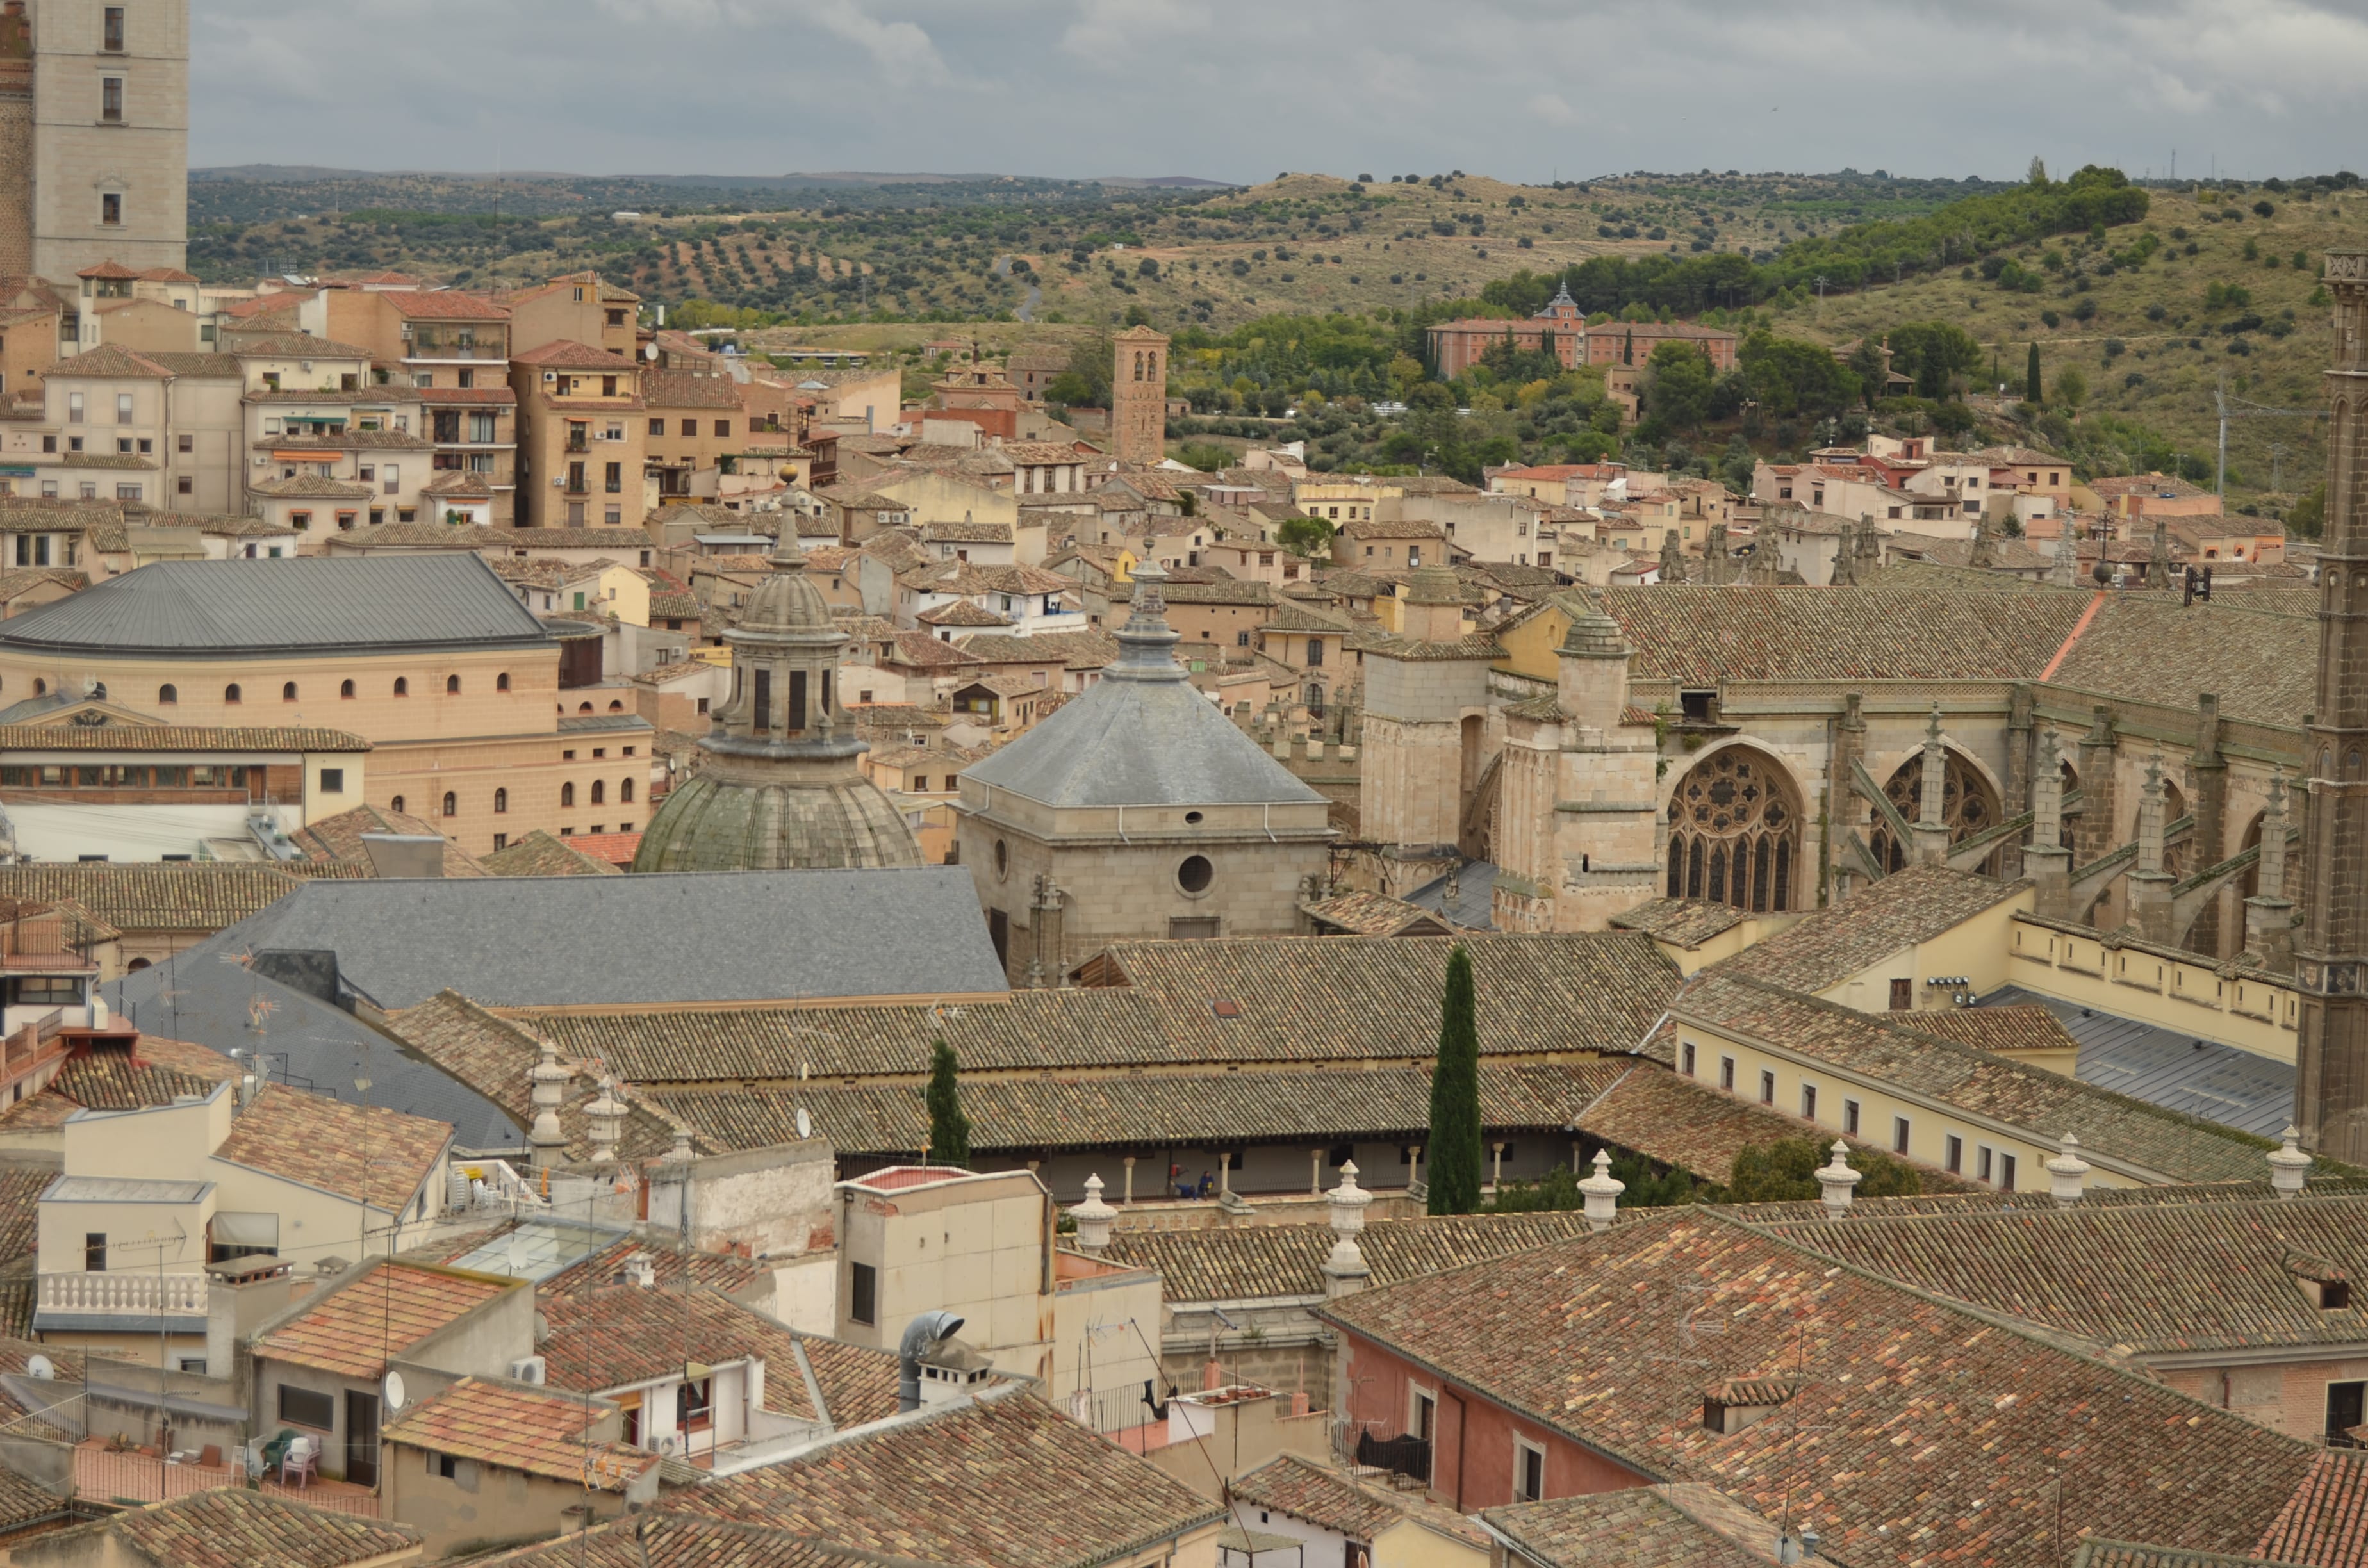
(2331, 1085)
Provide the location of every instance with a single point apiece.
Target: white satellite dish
(394, 1390)
(40, 1367)
(805, 1123)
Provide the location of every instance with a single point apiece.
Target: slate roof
(691, 937)
(359, 1327)
(320, 1141)
(2165, 1067)
(1910, 1414)
(1907, 907)
(2157, 1278)
(1638, 1527)
(518, 1428)
(291, 605)
(229, 1526)
(2043, 1105)
(1343, 1503)
(1003, 1481)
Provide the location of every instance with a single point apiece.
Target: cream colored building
(916, 1239)
(583, 437)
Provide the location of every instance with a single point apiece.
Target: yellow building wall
(2187, 994)
(1976, 951)
(934, 498)
(1530, 646)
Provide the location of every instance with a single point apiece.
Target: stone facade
(2332, 1088)
(1139, 396)
(15, 140)
(110, 168)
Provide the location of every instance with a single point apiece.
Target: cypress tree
(1454, 1149)
(2031, 376)
(949, 1128)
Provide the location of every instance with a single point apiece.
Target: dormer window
(1731, 1405)
(2324, 1283)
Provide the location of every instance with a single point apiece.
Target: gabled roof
(229, 1526)
(359, 1327)
(518, 1428)
(1899, 911)
(1642, 1527)
(199, 896)
(540, 855)
(443, 304)
(1002, 1482)
(565, 355)
(1344, 1504)
(319, 1142)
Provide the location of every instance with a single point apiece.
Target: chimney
(922, 1337)
(605, 1116)
(1093, 1217)
(413, 855)
(642, 1269)
(2065, 1173)
(1835, 1181)
(2289, 1167)
(1602, 1192)
(547, 1087)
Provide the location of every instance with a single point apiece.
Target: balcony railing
(131, 1294)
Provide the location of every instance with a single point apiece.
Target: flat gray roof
(123, 1189)
(2164, 1067)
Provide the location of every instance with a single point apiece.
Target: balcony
(127, 1294)
(429, 351)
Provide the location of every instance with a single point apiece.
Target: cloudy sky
(1241, 90)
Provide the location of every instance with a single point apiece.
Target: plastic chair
(273, 1450)
(303, 1458)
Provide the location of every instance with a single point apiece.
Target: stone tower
(778, 787)
(1139, 396)
(94, 135)
(2332, 1081)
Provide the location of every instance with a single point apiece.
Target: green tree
(2030, 388)
(1648, 1187)
(1307, 537)
(1455, 1095)
(1791, 379)
(1936, 354)
(1070, 389)
(1677, 388)
(1786, 1172)
(1866, 362)
(1206, 456)
(949, 1128)
(2071, 387)
(2037, 175)
(2307, 518)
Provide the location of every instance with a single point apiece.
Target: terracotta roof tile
(229, 1526)
(164, 896)
(321, 1142)
(540, 855)
(1682, 923)
(518, 1428)
(2326, 1523)
(1345, 1504)
(1640, 1527)
(1823, 948)
(360, 1327)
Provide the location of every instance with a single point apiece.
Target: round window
(1195, 874)
(1191, 818)
(1002, 859)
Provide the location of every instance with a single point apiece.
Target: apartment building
(453, 349)
(583, 437)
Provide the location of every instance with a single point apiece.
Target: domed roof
(787, 602)
(721, 820)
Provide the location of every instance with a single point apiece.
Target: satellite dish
(393, 1390)
(40, 1367)
(805, 1123)
(650, 352)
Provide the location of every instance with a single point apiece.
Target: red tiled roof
(617, 848)
(444, 304)
(2326, 1522)
(321, 1142)
(361, 1327)
(517, 1428)
(566, 355)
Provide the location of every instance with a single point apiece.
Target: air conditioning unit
(529, 1369)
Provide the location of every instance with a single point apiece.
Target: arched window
(502, 681)
(584, 708)
(1968, 805)
(501, 801)
(599, 793)
(451, 804)
(230, 693)
(346, 689)
(451, 686)
(567, 794)
(167, 693)
(288, 691)
(401, 687)
(625, 791)
(41, 689)
(1735, 832)
(395, 805)
(616, 707)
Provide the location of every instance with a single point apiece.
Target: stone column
(2209, 841)
(1128, 1200)
(1844, 810)
(2045, 858)
(2269, 914)
(2150, 884)
(2019, 707)
(1314, 1173)
(1931, 830)
(2094, 832)
(2159, 563)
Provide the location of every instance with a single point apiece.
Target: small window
(1195, 874)
(1726, 1074)
(451, 804)
(333, 781)
(599, 793)
(1808, 1102)
(2005, 1172)
(625, 791)
(111, 30)
(1954, 1152)
(401, 687)
(1899, 1135)
(110, 210)
(2346, 1406)
(167, 695)
(567, 794)
(288, 691)
(1985, 1163)
(1686, 1059)
(451, 686)
(501, 801)
(94, 1252)
(308, 1407)
(1849, 1118)
(1902, 995)
(864, 1294)
(395, 805)
(1528, 1472)
(501, 841)
(111, 109)
(230, 693)
(1766, 1087)
(345, 690)
(502, 681)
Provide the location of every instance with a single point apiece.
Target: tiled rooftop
(363, 1153)
(1824, 948)
(1639, 1527)
(360, 1327)
(228, 1526)
(1336, 1500)
(517, 1428)
(1245, 1263)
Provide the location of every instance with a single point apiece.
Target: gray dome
(788, 601)
(716, 822)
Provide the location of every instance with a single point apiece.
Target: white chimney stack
(1093, 1217)
(2289, 1167)
(2065, 1173)
(1837, 1181)
(547, 1087)
(1602, 1192)
(1345, 1204)
(605, 1116)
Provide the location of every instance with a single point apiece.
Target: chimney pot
(2065, 1173)
(2289, 1167)
(1602, 1192)
(1837, 1181)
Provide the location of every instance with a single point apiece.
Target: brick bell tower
(1139, 396)
(2331, 1083)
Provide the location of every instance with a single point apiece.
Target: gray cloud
(1241, 90)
